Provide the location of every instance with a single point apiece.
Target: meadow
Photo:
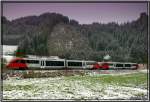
(91, 86)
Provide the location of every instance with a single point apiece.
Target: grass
(132, 80)
(73, 85)
(139, 94)
(18, 87)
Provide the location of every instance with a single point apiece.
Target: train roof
(119, 62)
(44, 59)
(89, 61)
(76, 60)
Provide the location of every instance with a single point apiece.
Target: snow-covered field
(75, 87)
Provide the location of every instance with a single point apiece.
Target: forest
(53, 34)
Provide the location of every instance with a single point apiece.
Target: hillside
(66, 41)
(55, 34)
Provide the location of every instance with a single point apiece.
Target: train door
(42, 63)
(66, 64)
(84, 64)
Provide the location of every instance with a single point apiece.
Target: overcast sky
(84, 13)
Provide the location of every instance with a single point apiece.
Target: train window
(127, 65)
(74, 63)
(28, 61)
(60, 63)
(22, 61)
(33, 61)
(119, 65)
(54, 63)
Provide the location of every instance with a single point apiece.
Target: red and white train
(49, 63)
(115, 65)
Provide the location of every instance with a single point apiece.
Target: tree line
(51, 33)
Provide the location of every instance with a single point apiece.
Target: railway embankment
(58, 73)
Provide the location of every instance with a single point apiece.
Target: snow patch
(60, 88)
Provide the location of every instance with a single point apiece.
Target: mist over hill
(57, 35)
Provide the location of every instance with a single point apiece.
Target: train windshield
(18, 61)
